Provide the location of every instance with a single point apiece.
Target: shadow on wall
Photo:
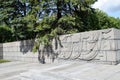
(1, 51)
(26, 46)
(50, 51)
(46, 52)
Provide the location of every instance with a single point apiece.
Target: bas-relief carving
(95, 45)
(86, 46)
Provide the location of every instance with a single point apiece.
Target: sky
(111, 7)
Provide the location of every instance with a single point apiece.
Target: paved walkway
(12, 70)
(58, 71)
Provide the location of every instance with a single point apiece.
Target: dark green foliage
(12, 13)
(104, 21)
(26, 19)
(45, 20)
(5, 33)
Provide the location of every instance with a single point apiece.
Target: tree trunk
(59, 9)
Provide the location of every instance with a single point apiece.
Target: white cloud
(109, 6)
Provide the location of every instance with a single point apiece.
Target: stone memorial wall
(94, 46)
(1, 51)
(97, 46)
(20, 51)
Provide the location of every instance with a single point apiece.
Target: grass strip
(3, 61)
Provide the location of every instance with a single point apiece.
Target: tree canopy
(28, 19)
(45, 20)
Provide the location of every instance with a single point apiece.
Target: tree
(45, 20)
(58, 17)
(105, 21)
(12, 13)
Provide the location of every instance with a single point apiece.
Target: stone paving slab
(75, 71)
(68, 70)
(10, 70)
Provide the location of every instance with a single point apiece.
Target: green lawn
(3, 61)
